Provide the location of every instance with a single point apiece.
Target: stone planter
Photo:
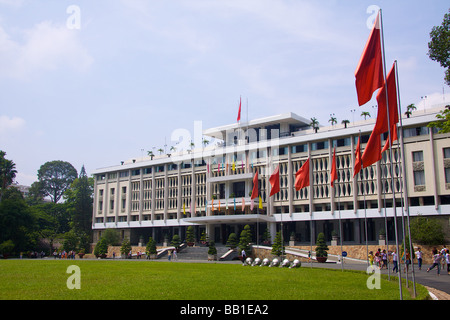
(212, 257)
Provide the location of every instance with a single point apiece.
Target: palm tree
(7, 172)
(150, 154)
(160, 150)
(333, 120)
(205, 142)
(345, 122)
(365, 114)
(409, 110)
(314, 124)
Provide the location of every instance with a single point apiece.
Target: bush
(322, 248)
(176, 241)
(426, 231)
(151, 247)
(126, 247)
(6, 247)
(277, 247)
(101, 247)
(212, 248)
(232, 240)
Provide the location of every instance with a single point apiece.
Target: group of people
(440, 257)
(64, 254)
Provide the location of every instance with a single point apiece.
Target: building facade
(210, 187)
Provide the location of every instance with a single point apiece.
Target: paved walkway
(429, 279)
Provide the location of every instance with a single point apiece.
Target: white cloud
(8, 124)
(44, 47)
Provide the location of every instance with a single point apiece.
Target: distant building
(210, 187)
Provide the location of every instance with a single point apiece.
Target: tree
(409, 109)
(365, 114)
(80, 197)
(345, 122)
(151, 247)
(190, 234)
(332, 120)
(111, 236)
(321, 246)
(314, 124)
(55, 178)
(7, 173)
(232, 241)
(101, 248)
(245, 240)
(426, 231)
(439, 46)
(443, 122)
(277, 247)
(176, 241)
(126, 247)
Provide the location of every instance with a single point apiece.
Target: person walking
(419, 258)
(394, 261)
(437, 257)
(243, 256)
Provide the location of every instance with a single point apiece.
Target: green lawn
(151, 280)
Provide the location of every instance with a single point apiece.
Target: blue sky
(98, 84)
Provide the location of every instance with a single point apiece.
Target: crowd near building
(209, 184)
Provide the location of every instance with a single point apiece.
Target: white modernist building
(210, 187)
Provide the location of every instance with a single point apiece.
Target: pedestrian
(169, 254)
(437, 257)
(384, 258)
(447, 259)
(370, 258)
(394, 261)
(243, 256)
(407, 259)
(419, 258)
(175, 257)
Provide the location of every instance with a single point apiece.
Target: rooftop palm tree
(365, 114)
(333, 120)
(345, 122)
(409, 110)
(314, 124)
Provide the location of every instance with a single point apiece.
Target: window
(447, 175)
(446, 153)
(417, 156)
(419, 178)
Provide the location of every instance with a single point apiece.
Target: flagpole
(390, 150)
(405, 185)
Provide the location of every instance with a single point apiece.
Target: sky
(98, 82)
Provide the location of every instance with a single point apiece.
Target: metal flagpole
(390, 152)
(403, 171)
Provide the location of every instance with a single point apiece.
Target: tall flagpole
(405, 185)
(394, 208)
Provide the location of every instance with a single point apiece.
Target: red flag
(255, 186)
(333, 169)
(369, 73)
(372, 152)
(239, 112)
(275, 181)
(357, 158)
(393, 138)
(302, 176)
(381, 125)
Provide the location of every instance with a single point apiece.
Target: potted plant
(382, 237)
(212, 251)
(266, 237)
(292, 239)
(321, 248)
(203, 238)
(277, 247)
(190, 236)
(151, 249)
(334, 238)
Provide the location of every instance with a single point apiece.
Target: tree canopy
(55, 177)
(439, 46)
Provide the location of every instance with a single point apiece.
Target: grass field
(150, 280)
